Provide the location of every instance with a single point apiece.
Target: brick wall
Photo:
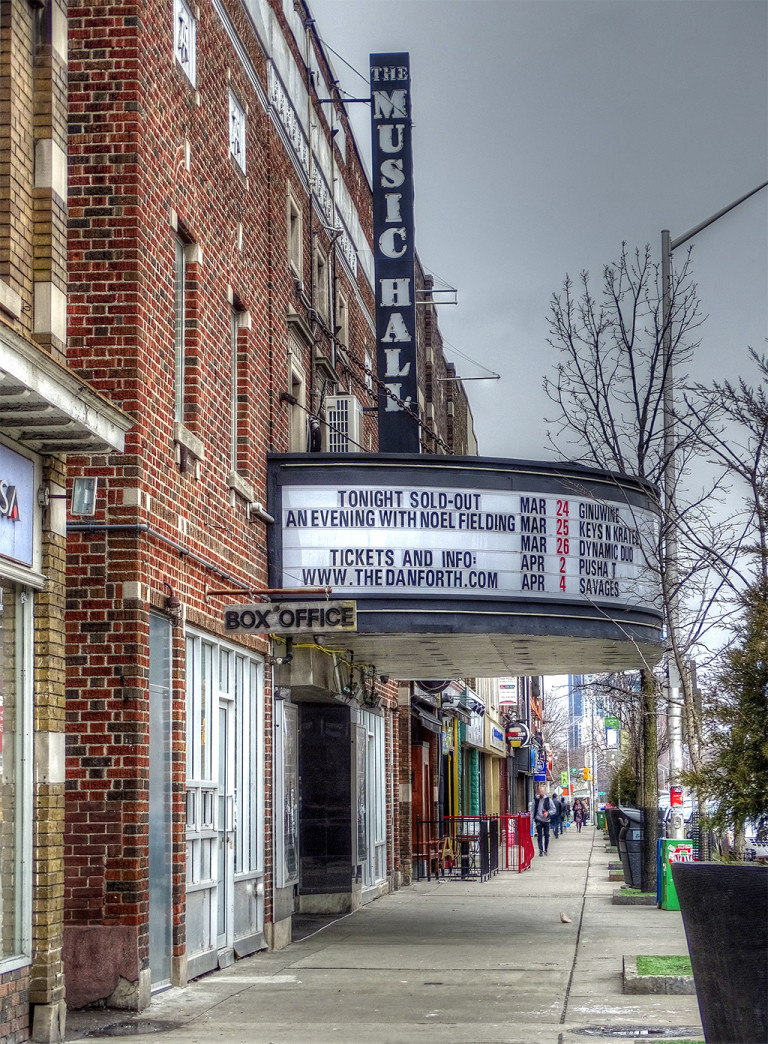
(149, 162)
(14, 1006)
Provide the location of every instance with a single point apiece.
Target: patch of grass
(657, 965)
(633, 891)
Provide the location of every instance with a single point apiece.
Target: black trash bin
(630, 845)
(613, 825)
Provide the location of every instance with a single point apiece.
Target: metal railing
(472, 848)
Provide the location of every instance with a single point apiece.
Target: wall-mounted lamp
(82, 500)
(172, 605)
(288, 654)
(257, 510)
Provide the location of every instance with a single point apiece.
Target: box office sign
(445, 542)
(393, 252)
(17, 490)
(291, 618)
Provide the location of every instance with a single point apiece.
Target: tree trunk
(649, 784)
(739, 841)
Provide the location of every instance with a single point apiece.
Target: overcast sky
(546, 132)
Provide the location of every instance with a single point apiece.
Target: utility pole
(593, 759)
(674, 685)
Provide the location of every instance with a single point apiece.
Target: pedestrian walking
(543, 810)
(556, 821)
(578, 814)
(566, 812)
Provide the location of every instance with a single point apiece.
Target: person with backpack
(543, 810)
(556, 822)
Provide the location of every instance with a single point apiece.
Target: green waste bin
(673, 850)
(601, 820)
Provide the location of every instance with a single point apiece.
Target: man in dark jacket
(556, 821)
(543, 810)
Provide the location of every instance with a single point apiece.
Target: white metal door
(225, 825)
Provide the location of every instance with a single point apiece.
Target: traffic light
(586, 773)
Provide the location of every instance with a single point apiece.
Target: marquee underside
(408, 648)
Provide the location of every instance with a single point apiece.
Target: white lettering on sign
(9, 502)
(19, 536)
(394, 251)
(403, 539)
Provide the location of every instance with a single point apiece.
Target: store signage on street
(452, 542)
(291, 618)
(17, 490)
(393, 252)
(676, 796)
(518, 734)
(508, 692)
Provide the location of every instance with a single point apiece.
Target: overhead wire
(468, 358)
(357, 72)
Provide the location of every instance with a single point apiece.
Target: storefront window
(15, 769)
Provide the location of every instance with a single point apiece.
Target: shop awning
(49, 409)
(426, 717)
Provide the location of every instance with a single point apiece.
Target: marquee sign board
(393, 251)
(508, 567)
(420, 539)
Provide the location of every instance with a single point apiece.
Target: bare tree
(733, 429)
(609, 390)
(731, 422)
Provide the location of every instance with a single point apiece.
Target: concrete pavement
(442, 961)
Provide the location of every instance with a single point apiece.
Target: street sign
(563, 779)
(612, 722)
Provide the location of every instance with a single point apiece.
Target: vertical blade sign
(394, 252)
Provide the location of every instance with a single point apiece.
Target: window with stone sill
(295, 235)
(237, 131)
(321, 281)
(185, 39)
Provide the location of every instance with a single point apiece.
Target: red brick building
(221, 293)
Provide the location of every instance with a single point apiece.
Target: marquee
(437, 550)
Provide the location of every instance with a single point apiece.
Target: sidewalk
(442, 962)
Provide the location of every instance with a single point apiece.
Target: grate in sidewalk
(134, 1028)
(640, 1032)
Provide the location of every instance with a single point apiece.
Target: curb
(636, 983)
(643, 899)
